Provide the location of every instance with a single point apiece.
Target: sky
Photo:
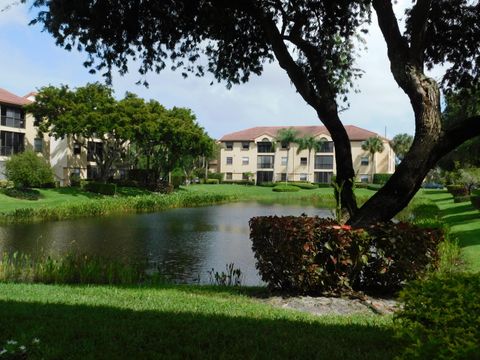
(29, 59)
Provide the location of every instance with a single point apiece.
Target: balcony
(13, 122)
(265, 162)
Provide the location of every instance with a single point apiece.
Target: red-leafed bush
(312, 255)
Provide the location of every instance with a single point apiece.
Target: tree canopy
(401, 143)
(314, 42)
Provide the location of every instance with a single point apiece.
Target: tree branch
(456, 135)
(419, 16)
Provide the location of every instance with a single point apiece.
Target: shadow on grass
(100, 332)
(456, 209)
(75, 191)
(462, 219)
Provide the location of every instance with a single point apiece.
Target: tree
(27, 170)
(314, 42)
(286, 137)
(373, 145)
(462, 104)
(88, 116)
(309, 142)
(400, 144)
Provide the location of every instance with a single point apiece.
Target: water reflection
(184, 243)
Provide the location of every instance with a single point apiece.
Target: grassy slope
(464, 223)
(180, 322)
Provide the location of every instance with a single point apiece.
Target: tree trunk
(407, 179)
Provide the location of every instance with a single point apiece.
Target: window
(283, 177)
(95, 150)
(285, 145)
(77, 149)
(245, 145)
(229, 145)
(364, 178)
(245, 160)
(229, 160)
(324, 162)
(265, 162)
(327, 147)
(12, 117)
(92, 172)
(11, 143)
(246, 176)
(265, 147)
(38, 145)
(364, 161)
(303, 161)
(323, 177)
(284, 160)
(229, 176)
(303, 177)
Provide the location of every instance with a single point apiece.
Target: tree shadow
(460, 208)
(102, 332)
(76, 191)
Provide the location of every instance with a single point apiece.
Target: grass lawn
(464, 222)
(97, 322)
(59, 196)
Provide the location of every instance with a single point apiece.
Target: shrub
(239, 182)
(101, 188)
(457, 190)
(178, 178)
(218, 176)
(286, 188)
(305, 186)
(323, 185)
(25, 194)
(361, 185)
(28, 170)
(475, 199)
(267, 184)
(440, 317)
(381, 178)
(5, 184)
(459, 199)
(374, 187)
(75, 179)
(212, 181)
(313, 255)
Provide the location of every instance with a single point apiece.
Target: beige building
(256, 151)
(18, 132)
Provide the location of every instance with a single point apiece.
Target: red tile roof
(354, 132)
(7, 97)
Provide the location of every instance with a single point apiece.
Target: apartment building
(256, 151)
(18, 132)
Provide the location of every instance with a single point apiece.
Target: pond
(185, 244)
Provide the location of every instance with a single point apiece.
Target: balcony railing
(12, 122)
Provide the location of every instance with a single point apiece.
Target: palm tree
(308, 142)
(373, 145)
(286, 137)
(401, 144)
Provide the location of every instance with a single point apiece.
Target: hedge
(440, 318)
(459, 199)
(101, 188)
(457, 190)
(475, 199)
(212, 181)
(239, 182)
(381, 178)
(305, 185)
(286, 188)
(312, 255)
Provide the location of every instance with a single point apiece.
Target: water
(184, 243)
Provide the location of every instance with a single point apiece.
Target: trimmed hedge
(305, 186)
(440, 318)
(323, 185)
(101, 188)
(218, 176)
(312, 255)
(459, 199)
(239, 182)
(286, 188)
(361, 185)
(381, 178)
(212, 181)
(457, 190)
(374, 187)
(267, 184)
(475, 199)
(24, 194)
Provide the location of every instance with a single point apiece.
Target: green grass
(99, 322)
(464, 224)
